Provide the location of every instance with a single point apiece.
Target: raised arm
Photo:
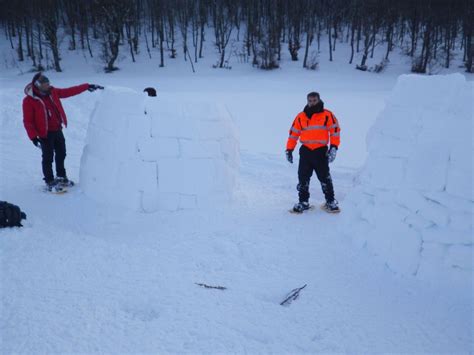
(73, 90)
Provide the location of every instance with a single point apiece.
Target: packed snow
(92, 273)
(413, 202)
(159, 154)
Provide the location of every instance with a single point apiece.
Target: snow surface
(85, 276)
(413, 203)
(151, 154)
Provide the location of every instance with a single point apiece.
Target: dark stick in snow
(215, 287)
(293, 295)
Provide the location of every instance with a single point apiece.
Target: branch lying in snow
(293, 295)
(215, 287)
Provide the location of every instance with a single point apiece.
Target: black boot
(300, 207)
(54, 187)
(64, 182)
(331, 206)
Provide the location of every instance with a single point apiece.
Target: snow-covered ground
(87, 276)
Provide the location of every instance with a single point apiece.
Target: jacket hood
(29, 90)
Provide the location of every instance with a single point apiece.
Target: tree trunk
(201, 40)
(309, 39)
(162, 40)
(153, 31)
(319, 36)
(389, 38)
(352, 44)
(469, 51)
(147, 44)
(21, 56)
(447, 48)
(73, 36)
(88, 43)
(129, 40)
(359, 32)
(10, 35)
(114, 42)
(330, 42)
(40, 45)
(374, 34)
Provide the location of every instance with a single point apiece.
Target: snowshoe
(300, 207)
(331, 207)
(54, 188)
(64, 182)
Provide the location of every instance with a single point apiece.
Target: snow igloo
(413, 200)
(159, 153)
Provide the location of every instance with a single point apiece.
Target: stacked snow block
(151, 154)
(412, 205)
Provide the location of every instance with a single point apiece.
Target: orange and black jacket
(317, 131)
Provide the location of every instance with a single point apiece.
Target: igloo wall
(412, 204)
(151, 153)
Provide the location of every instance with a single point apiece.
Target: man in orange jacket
(315, 127)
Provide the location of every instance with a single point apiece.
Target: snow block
(151, 154)
(413, 199)
(152, 149)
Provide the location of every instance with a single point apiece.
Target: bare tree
(430, 32)
(112, 15)
(49, 19)
(222, 18)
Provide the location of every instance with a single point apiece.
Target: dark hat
(313, 94)
(39, 79)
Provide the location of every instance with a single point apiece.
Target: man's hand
(289, 155)
(94, 87)
(332, 153)
(36, 141)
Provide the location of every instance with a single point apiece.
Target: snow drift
(412, 205)
(149, 153)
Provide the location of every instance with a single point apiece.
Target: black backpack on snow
(10, 215)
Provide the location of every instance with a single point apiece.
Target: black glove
(94, 87)
(36, 141)
(289, 155)
(332, 153)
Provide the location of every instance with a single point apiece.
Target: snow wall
(149, 153)
(413, 202)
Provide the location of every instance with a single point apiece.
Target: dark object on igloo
(150, 91)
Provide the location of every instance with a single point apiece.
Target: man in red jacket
(44, 117)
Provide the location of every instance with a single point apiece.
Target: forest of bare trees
(427, 31)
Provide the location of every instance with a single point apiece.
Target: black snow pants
(53, 147)
(314, 160)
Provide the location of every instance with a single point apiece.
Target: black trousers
(53, 148)
(314, 160)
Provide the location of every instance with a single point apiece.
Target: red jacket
(35, 117)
